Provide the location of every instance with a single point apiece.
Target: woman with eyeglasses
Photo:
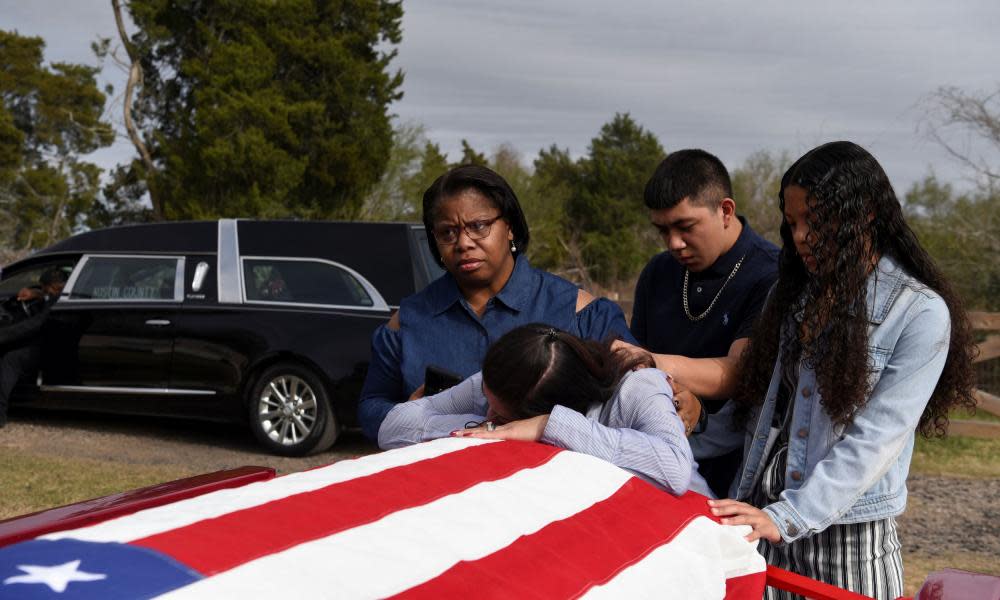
(540, 384)
(477, 231)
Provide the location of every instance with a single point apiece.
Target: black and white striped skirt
(861, 557)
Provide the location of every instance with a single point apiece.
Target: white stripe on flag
(689, 566)
(390, 555)
(185, 512)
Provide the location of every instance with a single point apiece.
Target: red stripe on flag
(219, 544)
(566, 558)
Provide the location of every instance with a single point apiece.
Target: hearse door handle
(158, 322)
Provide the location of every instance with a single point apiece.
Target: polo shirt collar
(515, 293)
(725, 263)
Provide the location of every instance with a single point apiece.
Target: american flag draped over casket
(454, 517)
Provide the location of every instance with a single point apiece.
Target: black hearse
(266, 322)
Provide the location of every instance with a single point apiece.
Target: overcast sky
(731, 77)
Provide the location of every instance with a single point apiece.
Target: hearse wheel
(290, 411)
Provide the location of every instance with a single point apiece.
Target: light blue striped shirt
(637, 429)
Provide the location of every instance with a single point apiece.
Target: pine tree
(606, 214)
(50, 116)
(270, 109)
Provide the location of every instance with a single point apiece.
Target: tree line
(283, 110)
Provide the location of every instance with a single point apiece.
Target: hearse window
(119, 278)
(302, 282)
(13, 283)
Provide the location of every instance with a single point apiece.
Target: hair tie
(552, 334)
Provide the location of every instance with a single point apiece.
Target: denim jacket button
(806, 392)
(797, 475)
(803, 433)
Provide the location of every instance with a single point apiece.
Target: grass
(957, 457)
(30, 482)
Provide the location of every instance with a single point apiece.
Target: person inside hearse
(862, 343)
(273, 287)
(20, 347)
(50, 286)
(477, 230)
(545, 385)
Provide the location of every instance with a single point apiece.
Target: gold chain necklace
(684, 296)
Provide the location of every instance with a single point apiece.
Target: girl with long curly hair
(862, 343)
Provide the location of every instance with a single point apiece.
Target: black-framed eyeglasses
(477, 230)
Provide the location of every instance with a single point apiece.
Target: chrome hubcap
(286, 410)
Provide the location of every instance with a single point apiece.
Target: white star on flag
(57, 577)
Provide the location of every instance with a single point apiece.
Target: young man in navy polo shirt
(695, 304)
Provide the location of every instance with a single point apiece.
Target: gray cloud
(732, 77)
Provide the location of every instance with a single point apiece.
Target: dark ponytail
(534, 367)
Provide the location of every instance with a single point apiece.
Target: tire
(290, 411)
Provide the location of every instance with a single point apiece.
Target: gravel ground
(945, 516)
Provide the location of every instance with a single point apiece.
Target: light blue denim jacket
(853, 473)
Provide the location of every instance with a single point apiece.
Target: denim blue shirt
(438, 327)
(854, 473)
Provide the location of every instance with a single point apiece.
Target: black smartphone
(437, 380)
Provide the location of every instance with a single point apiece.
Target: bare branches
(134, 80)
(576, 269)
(967, 126)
